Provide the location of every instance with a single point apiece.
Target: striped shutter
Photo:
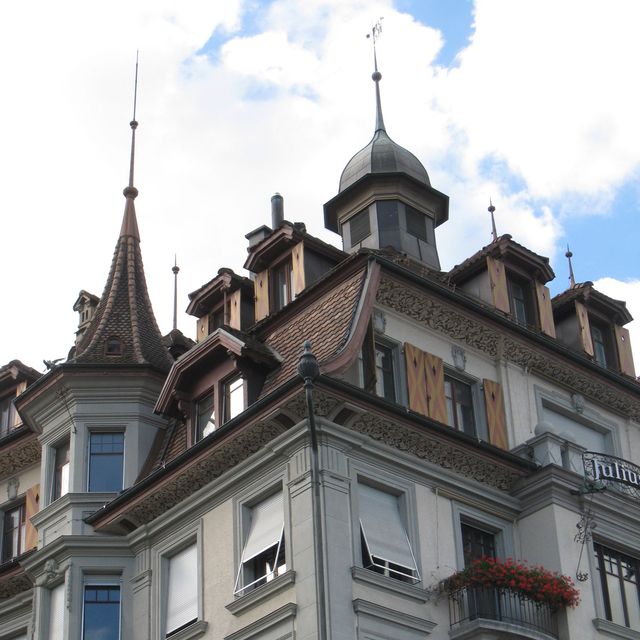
(261, 292)
(32, 506)
(297, 265)
(234, 309)
(496, 419)
(434, 374)
(585, 330)
(498, 282)
(544, 310)
(625, 355)
(416, 379)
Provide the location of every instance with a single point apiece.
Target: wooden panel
(234, 309)
(498, 282)
(585, 330)
(203, 328)
(17, 421)
(545, 312)
(434, 373)
(261, 291)
(416, 379)
(32, 506)
(496, 420)
(297, 265)
(625, 355)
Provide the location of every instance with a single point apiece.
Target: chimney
(277, 211)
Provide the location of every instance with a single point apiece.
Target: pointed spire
(494, 232)
(568, 256)
(175, 270)
(376, 75)
(129, 222)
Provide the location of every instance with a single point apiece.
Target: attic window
(359, 227)
(113, 346)
(416, 223)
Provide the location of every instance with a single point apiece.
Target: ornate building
(441, 422)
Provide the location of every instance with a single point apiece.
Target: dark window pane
(106, 453)
(459, 400)
(416, 223)
(476, 544)
(387, 214)
(101, 613)
(385, 383)
(359, 227)
(205, 416)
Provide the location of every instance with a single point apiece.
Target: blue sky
(514, 101)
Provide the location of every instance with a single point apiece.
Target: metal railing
(471, 603)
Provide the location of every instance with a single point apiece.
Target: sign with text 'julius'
(612, 471)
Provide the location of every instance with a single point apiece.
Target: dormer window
(521, 301)
(603, 353)
(281, 285)
(234, 398)
(113, 346)
(6, 414)
(205, 416)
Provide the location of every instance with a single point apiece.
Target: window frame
(607, 343)
(528, 300)
(20, 506)
(57, 471)
(226, 395)
(59, 589)
(96, 581)
(284, 267)
(199, 434)
(7, 416)
(103, 431)
(477, 400)
(362, 215)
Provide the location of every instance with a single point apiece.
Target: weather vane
(376, 31)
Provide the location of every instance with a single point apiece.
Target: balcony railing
(472, 603)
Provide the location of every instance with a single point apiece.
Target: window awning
(267, 524)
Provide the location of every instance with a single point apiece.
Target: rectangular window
(359, 227)
(521, 302)
(263, 555)
(477, 543)
(459, 400)
(385, 379)
(182, 590)
(385, 545)
(281, 285)
(416, 223)
(106, 454)
(6, 415)
(13, 532)
(234, 398)
(620, 587)
(60, 484)
(55, 630)
(101, 612)
(205, 416)
(216, 319)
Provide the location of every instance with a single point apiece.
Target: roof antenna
(175, 270)
(376, 76)
(568, 256)
(491, 209)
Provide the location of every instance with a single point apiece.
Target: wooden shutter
(234, 301)
(625, 355)
(261, 291)
(544, 310)
(584, 328)
(434, 374)
(498, 282)
(496, 419)
(416, 379)
(202, 330)
(32, 506)
(16, 418)
(297, 266)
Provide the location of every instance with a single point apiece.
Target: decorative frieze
(13, 460)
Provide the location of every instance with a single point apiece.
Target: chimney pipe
(277, 211)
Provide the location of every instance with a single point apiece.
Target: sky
(532, 103)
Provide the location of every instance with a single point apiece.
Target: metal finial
(491, 209)
(376, 75)
(568, 256)
(175, 269)
(131, 191)
(308, 368)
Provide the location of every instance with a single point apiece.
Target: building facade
(152, 487)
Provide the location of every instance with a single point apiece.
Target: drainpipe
(309, 370)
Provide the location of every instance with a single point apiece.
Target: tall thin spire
(175, 270)
(376, 75)
(568, 256)
(494, 232)
(129, 222)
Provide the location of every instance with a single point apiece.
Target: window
(182, 590)
(6, 414)
(620, 586)
(60, 484)
(385, 379)
(101, 612)
(234, 398)
(521, 302)
(263, 555)
(459, 399)
(359, 227)
(476, 543)
(55, 630)
(416, 223)
(603, 348)
(384, 542)
(281, 285)
(13, 532)
(216, 319)
(205, 416)
(106, 453)
(113, 346)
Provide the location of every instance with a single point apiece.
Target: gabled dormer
(511, 278)
(86, 306)
(225, 300)
(215, 381)
(591, 322)
(15, 377)
(285, 261)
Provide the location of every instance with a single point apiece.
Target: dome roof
(382, 155)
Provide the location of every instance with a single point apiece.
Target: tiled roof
(125, 310)
(325, 322)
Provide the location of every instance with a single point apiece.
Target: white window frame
(101, 581)
(479, 410)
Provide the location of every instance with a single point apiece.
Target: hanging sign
(612, 471)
